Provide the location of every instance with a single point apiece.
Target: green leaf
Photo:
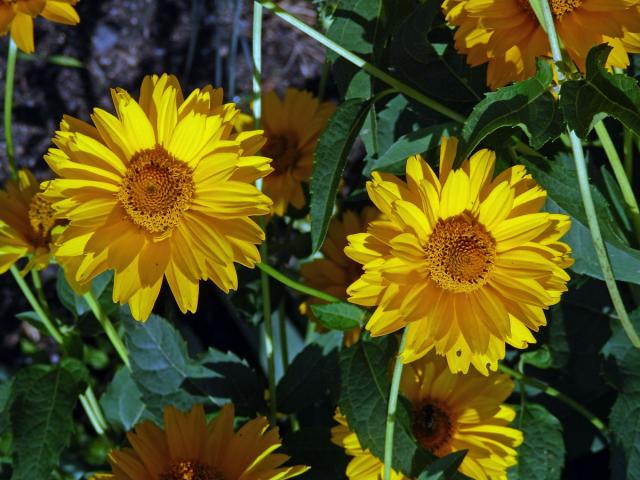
(528, 105)
(584, 101)
(339, 315)
(122, 402)
(559, 178)
(445, 468)
(166, 374)
(101, 286)
(331, 154)
(541, 455)
(363, 400)
(540, 358)
(6, 389)
(308, 380)
(356, 26)
(41, 415)
(419, 141)
(624, 422)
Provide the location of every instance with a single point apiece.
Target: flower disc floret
(466, 262)
(165, 189)
(190, 470)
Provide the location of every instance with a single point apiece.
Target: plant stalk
(585, 192)
(392, 407)
(12, 55)
(300, 287)
(108, 327)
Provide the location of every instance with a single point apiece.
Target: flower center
(558, 7)
(283, 149)
(460, 254)
(432, 426)
(156, 190)
(190, 470)
(42, 219)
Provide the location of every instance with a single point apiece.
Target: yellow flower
(507, 36)
(292, 127)
(464, 261)
(17, 16)
(335, 272)
(165, 189)
(191, 448)
(27, 223)
(450, 412)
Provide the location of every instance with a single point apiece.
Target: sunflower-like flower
(507, 35)
(27, 223)
(165, 189)
(450, 412)
(292, 127)
(191, 448)
(464, 261)
(335, 272)
(17, 16)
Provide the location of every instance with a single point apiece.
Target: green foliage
(584, 102)
(541, 455)
(559, 179)
(333, 148)
(339, 315)
(41, 415)
(122, 402)
(528, 105)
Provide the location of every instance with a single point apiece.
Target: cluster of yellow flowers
(463, 259)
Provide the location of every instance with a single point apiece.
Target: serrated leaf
(166, 374)
(600, 92)
(559, 178)
(420, 141)
(626, 357)
(541, 455)
(363, 401)
(41, 416)
(308, 380)
(624, 423)
(355, 26)
(339, 315)
(312, 446)
(6, 389)
(122, 403)
(101, 287)
(331, 154)
(528, 105)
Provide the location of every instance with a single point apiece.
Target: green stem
(44, 317)
(108, 327)
(94, 419)
(256, 47)
(391, 409)
(552, 392)
(95, 408)
(300, 287)
(361, 63)
(284, 347)
(621, 177)
(324, 77)
(37, 283)
(628, 153)
(587, 199)
(8, 105)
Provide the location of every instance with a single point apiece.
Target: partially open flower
(17, 16)
(191, 448)
(292, 127)
(165, 189)
(451, 412)
(27, 223)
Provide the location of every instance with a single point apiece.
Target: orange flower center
(558, 7)
(190, 470)
(42, 219)
(460, 254)
(156, 190)
(283, 149)
(432, 425)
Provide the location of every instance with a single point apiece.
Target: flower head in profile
(292, 127)
(164, 189)
(507, 36)
(465, 261)
(27, 223)
(191, 448)
(450, 412)
(335, 272)
(16, 16)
